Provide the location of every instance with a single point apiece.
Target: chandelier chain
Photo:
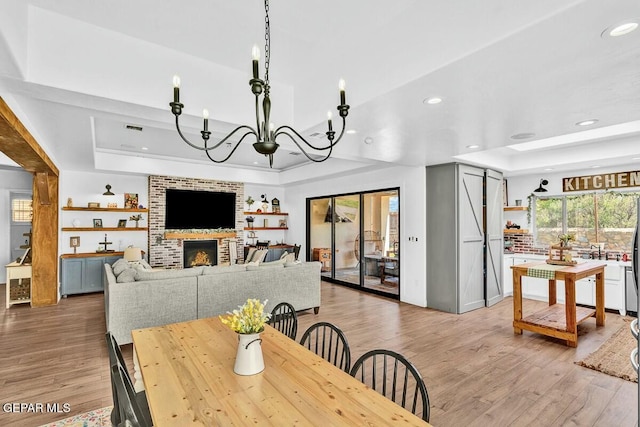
(267, 42)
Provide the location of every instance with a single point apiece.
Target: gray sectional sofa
(149, 298)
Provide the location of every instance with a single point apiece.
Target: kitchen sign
(602, 182)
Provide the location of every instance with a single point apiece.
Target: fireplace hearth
(200, 252)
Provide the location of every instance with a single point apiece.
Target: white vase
(249, 359)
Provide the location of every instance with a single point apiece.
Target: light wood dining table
(187, 369)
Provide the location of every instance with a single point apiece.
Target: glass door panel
(381, 244)
(346, 217)
(320, 233)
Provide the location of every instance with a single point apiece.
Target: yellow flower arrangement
(249, 318)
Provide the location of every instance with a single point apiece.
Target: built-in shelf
(105, 228)
(65, 208)
(515, 208)
(265, 228)
(266, 213)
(93, 254)
(515, 231)
(218, 236)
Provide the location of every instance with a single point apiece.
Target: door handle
(634, 359)
(634, 328)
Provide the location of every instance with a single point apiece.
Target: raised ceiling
(77, 72)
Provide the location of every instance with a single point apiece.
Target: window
(21, 210)
(607, 218)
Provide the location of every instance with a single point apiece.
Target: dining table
(187, 371)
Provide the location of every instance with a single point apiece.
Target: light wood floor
(476, 370)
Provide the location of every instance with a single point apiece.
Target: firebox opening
(200, 252)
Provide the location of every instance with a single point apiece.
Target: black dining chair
(329, 342)
(392, 375)
(116, 359)
(129, 411)
(262, 245)
(296, 250)
(285, 319)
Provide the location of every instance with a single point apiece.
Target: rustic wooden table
(559, 320)
(188, 375)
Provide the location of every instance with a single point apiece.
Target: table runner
(544, 271)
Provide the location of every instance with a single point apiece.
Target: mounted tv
(194, 209)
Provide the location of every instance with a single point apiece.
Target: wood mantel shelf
(179, 235)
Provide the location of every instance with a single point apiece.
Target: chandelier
(265, 134)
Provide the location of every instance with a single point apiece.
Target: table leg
(138, 384)
(570, 310)
(517, 300)
(600, 298)
(552, 291)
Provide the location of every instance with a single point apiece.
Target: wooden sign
(602, 182)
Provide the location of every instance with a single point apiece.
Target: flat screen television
(195, 209)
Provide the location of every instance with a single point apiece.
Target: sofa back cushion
(144, 275)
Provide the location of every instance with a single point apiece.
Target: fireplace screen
(200, 252)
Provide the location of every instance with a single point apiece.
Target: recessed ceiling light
(548, 169)
(595, 166)
(621, 29)
(351, 131)
(144, 148)
(255, 163)
(635, 158)
(587, 122)
(473, 146)
(524, 135)
(433, 100)
(368, 140)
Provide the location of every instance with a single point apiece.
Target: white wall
(412, 184)
(85, 187)
(10, 181)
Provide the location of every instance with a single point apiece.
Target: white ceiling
(77, 72)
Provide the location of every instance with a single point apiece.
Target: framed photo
(282, 223)
(74, 241)
(93, 205)
(130, 200)
(122, 223)
(97, 223)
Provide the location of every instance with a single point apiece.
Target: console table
(558, 320)
(20, 292)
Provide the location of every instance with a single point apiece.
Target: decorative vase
(136, 224)
(249, 359)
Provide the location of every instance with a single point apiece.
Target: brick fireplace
(199, 252)
(167, 249)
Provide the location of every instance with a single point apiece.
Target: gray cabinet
(82, 275)
(464, 237)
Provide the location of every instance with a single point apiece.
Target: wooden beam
(20, 146)
(43, 189)
(44, 246)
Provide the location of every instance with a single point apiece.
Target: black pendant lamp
(540, 188)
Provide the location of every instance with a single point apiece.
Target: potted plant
(566, 238)
(249, 202)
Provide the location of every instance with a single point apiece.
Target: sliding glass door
(357, 238)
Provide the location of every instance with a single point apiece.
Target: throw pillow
(292, 264)
(272, 263)
(119, 266)
(126, 276)
(250, 255)
(290, 257)
(145, 264)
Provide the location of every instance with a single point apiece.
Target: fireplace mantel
(217, 236)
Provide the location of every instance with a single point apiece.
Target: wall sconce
(108, 192)
(540, 188)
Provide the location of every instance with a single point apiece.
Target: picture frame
(97, 223)
(282, 223)
(112, 205)
(122, 223)
(93, 205)
(130, 200)
(74, 242)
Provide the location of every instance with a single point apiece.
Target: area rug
(98, 418)
(612, 357)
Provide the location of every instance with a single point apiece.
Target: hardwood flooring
(476, 370)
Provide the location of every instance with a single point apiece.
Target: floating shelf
(515, 231)
(265, 228)
(266, 213)
(65, 208)
(514, 208)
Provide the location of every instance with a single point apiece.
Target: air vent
(318, 135)
(295, 153)
(134, 127)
